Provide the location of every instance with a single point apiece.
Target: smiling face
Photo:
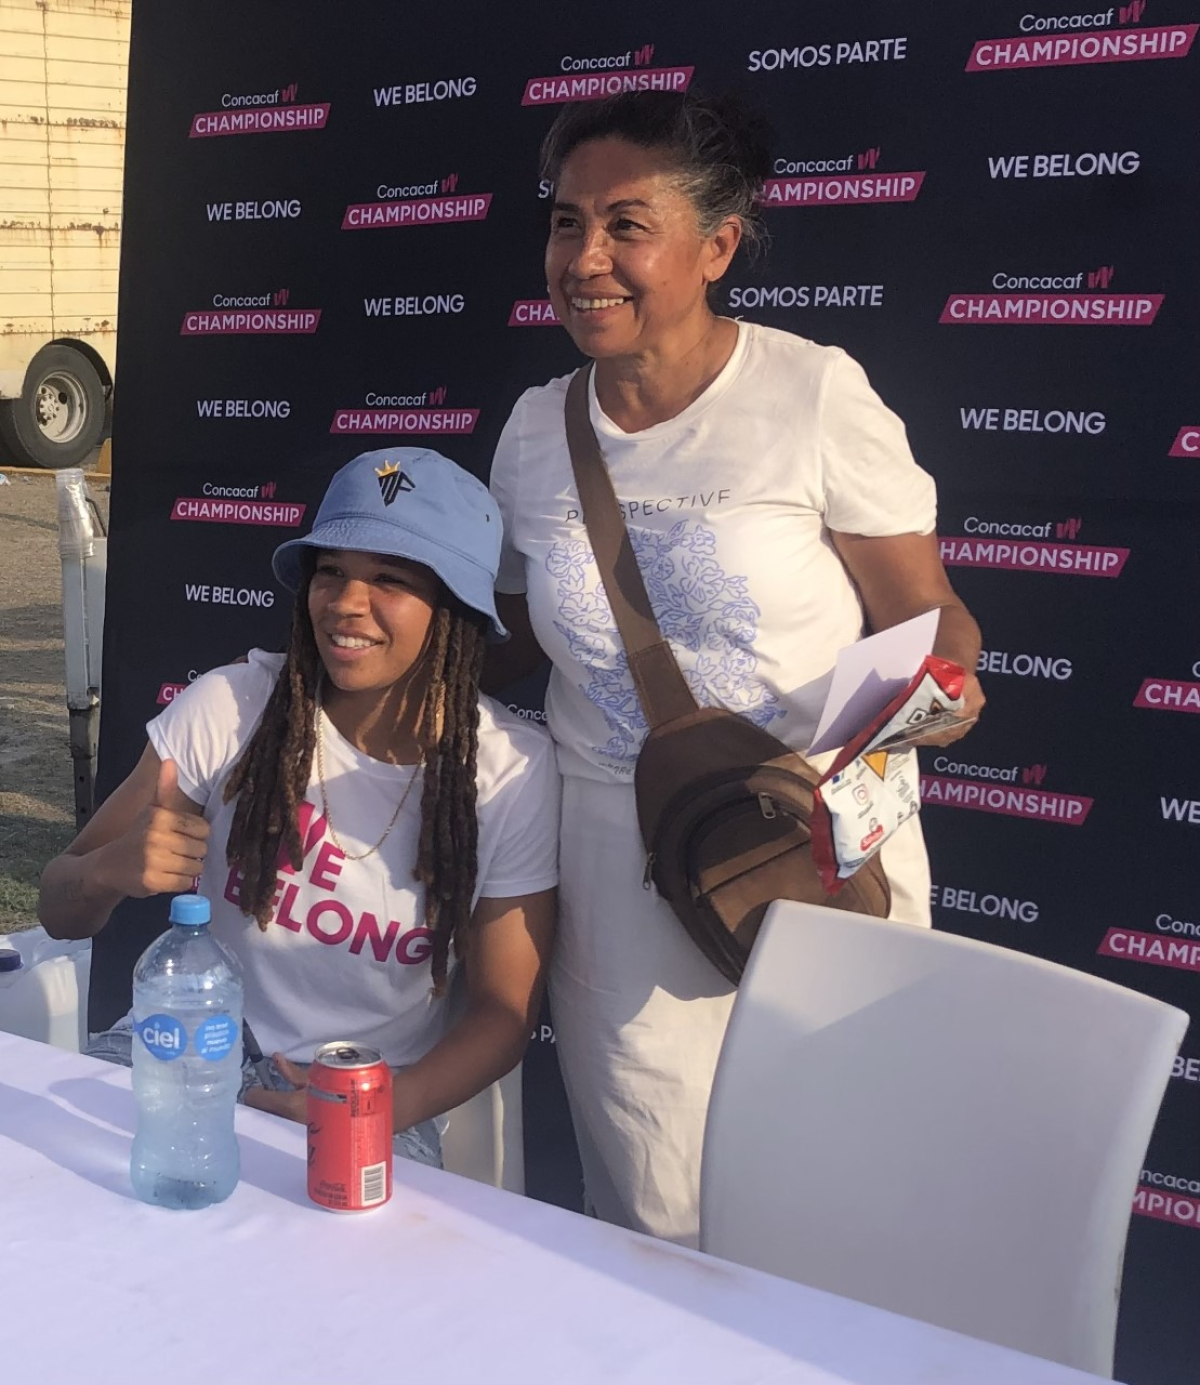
(370, 616)
(626, 265)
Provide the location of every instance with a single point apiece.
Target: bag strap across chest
(661, 687)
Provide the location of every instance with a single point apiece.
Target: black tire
(58, 420)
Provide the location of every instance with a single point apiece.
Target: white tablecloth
(452, 1282)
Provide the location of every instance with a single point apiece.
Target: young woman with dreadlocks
(361, 819)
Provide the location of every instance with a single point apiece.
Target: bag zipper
(766, 806)
(648, 876)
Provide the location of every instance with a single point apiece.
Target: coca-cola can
(349, 1128)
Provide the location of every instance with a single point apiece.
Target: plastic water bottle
(187, 1063)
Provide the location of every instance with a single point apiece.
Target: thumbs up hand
(164, 848)
(167, 786)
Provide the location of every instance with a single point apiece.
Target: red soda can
(349, 1128)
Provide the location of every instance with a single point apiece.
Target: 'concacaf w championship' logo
(392, 481)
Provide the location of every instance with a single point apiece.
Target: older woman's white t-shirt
(729, 507)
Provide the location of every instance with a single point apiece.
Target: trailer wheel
(60, 415)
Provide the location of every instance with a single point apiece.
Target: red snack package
(871, 788)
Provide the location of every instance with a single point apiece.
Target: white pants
(639, 1014)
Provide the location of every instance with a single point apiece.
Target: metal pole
(84, 562)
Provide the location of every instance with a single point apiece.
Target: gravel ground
(37, 796)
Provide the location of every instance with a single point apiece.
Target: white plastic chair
(942, 1128)
(46, 997)
(485, 1137)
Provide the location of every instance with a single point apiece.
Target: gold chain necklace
(412, 779)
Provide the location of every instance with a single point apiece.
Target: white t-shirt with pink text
(346, 955)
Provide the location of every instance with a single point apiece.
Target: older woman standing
(776, 512)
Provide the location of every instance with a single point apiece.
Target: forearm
(958, 637)
(73, 901)
(485, 1044)
(902, 576)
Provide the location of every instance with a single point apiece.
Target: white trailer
(63, 69)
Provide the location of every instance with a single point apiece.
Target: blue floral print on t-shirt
(700, 609)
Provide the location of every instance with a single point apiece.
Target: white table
(451, 1283)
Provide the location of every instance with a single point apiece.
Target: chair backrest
(485, 1137)
(45, 999)
(939, 1127)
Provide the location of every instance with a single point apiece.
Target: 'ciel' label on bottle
(165, 1038)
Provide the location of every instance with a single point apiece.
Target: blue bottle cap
(190, 909)
(10, 959)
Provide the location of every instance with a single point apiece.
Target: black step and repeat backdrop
(334, 228)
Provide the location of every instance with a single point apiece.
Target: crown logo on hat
(392, 481)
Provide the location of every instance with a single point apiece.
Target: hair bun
(720, 145)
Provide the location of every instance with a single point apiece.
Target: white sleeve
(525, 857)
(204, 729)
(504, 483)
(872, 484)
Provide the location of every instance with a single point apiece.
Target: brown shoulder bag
(724, 807)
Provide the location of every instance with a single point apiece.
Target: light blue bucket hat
(410, 502)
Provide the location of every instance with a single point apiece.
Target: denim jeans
(420, 1142)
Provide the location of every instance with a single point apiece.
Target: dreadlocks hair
(446, 858)
(271, 778)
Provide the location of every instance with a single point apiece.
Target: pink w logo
(1069, 528)
(1033, 774)
(280, 297)
(268, 491)
(312, 833)
(1100, 278)
(450, 182)
(438, 396)
(1132, 13)
(869, 157)
(289, 92)
(642, 56)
